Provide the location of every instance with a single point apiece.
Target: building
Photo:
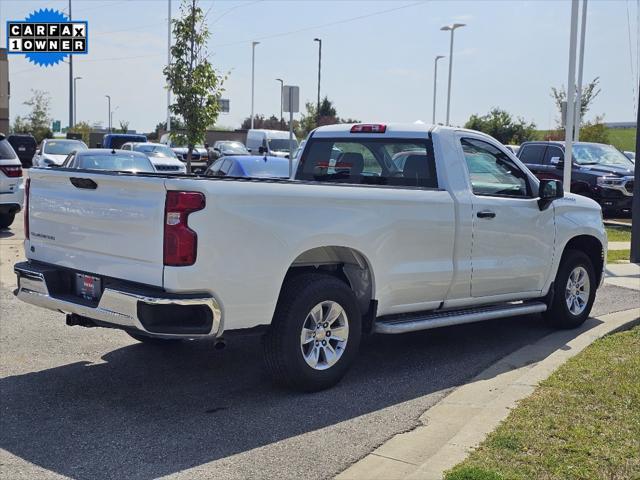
(4, 91)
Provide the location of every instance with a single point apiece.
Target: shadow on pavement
(149, 411)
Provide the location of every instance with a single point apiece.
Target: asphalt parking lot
(94, 403)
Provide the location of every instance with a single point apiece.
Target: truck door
(513, 239)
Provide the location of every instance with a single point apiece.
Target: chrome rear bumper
(120, 306)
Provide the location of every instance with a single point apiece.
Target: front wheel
(315, 333)
(574, 291)
(6, 219)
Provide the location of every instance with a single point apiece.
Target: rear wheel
(574, 291)
(315, 333)
(6, 219)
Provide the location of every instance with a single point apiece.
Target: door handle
(486, 214)
(86, 183)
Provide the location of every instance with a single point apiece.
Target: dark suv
(598, 171)
(25, 147)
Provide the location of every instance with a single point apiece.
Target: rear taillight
(27, 187)
(11, 171)
(368, 128)
(180, 242)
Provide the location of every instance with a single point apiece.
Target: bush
(501, 126)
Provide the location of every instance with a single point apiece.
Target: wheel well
(345, 263)
(592, 247)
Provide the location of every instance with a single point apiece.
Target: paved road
(93, 403)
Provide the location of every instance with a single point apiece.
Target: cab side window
(532, 154)
(553, 155)
(492, 172)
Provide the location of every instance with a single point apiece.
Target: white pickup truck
(384, 229)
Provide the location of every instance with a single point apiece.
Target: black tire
(282, 348)
(6, 219)
(147, 340)
(558, 314)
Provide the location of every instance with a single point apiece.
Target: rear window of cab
(367, 161)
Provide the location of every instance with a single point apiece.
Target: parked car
(464, 232)
(598, 171)
(513, 148)
(109, 159)
(272, 142)
(11, 183)
(161, 156)
(116, 140)
(25, 146)
(199, 155)
(53, 151)
(253, 166)
(223, 148)
(631, 156)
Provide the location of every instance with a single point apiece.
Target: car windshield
(282, 144)
(120, 162)
(233, 148)
(63, 147)
(6, 151)
(259, 168)
(155, 150)
(600, 155)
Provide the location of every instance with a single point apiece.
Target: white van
(273, 142)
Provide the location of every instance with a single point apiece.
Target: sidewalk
(623, 275)
(619, 245)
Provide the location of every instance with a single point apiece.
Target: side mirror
(249, 150)
(262, 150)
(548, 191)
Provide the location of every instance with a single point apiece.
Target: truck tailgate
(112, 227)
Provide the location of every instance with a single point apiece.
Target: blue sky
(377, 68)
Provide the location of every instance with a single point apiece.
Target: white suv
(11, 185)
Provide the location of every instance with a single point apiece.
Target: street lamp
(281, 90)
(253, 77)
(109, 112)
(75, 95)
(450, 28)
(435, 78)
(319, 70)
(111, 117)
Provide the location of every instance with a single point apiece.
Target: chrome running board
(411, 323)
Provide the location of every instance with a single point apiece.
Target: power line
(323, 25)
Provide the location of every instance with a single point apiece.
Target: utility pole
(108, 113)
(571, 97)
(452, 29)
(75, 100)
(635, 206)
(583, 29)
(319, 70)
(71, 119)
(253, 76)
(281, 99)
(435, 78)
(169, 63)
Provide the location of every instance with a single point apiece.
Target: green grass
(583, 422)
(619, 234)
(618, 255)
(623, 138)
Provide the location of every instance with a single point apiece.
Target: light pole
(571, 98)
(435, 78)
(169, 63)
(281, 90)
(111, 117)
(450, 28)
(253, 76)
(583, 30)
(70, 81)
(108, 112)
(75, 95)
(319, 70)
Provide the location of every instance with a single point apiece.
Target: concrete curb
(460, 421)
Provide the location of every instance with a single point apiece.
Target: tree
(594, 131)
(260, 121)
(500, 125)
(328, 116)
(38, 121)
(177, 124)
(124, 126)
(196, 85)
(589, 92)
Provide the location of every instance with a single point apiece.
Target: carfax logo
(46, 37)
